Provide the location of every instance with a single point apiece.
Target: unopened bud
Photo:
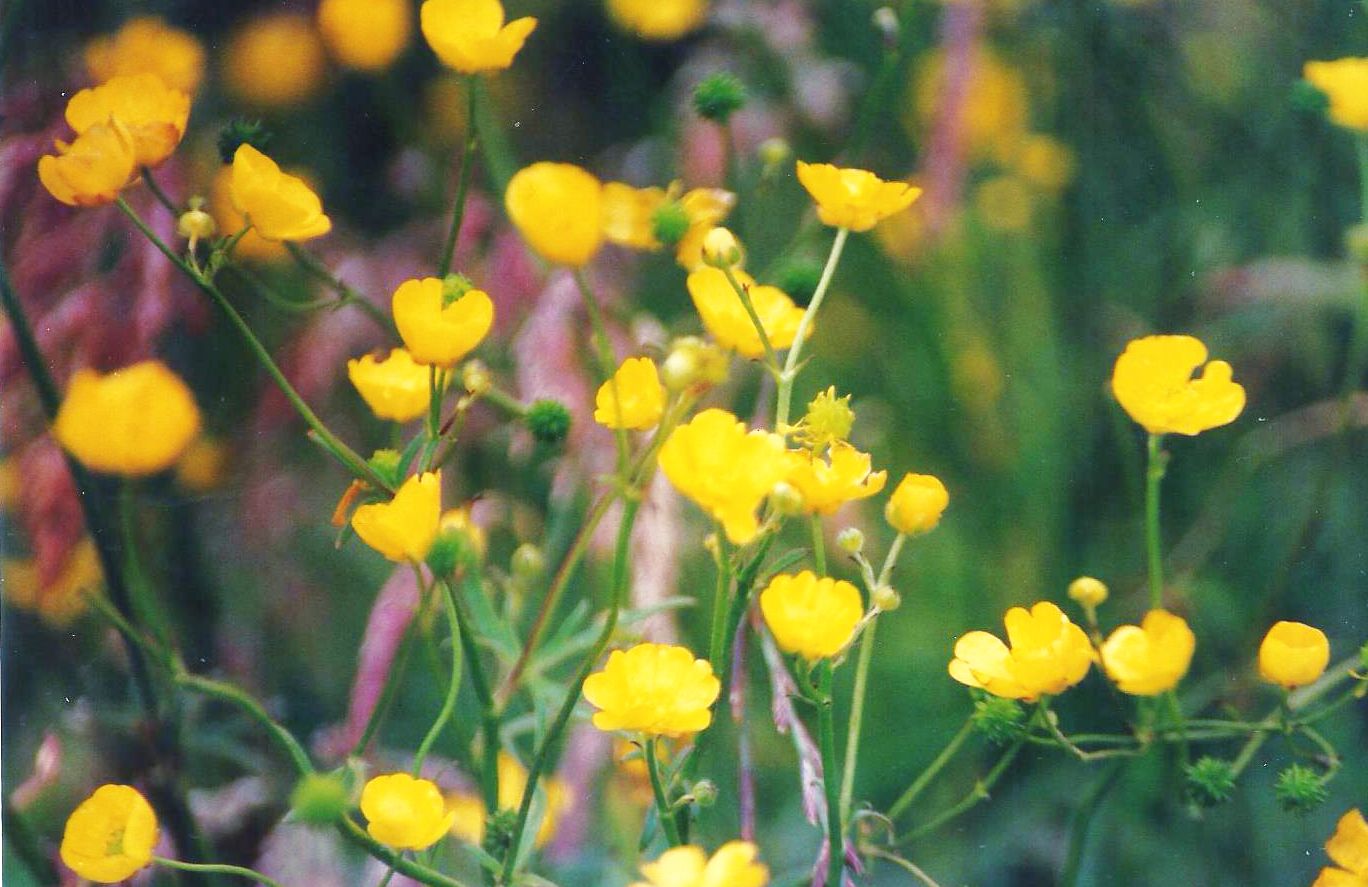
(476, 378)
(786, 499)
(1088, 592)
(720, 248)
(1300, 789)
(195, 224)
(718, 96)
(693, 362)
(886, 21)
(886, 598)
(320, 798)
(850, 540)
(548, 420)
(527, 563)
(705, 792)
(774, 153)
(386, 464)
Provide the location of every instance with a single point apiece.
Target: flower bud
(1087, 592)
(720, 249)
(449, 550)
(718, 96)
(786, 498)
(1299, 789)
(548, 420)
(386, 464)
(886, 598)
(851, 540)
(241, 132)
(527, 563)
(195, 224)
(320, 798)
(693, 362)
(774, 153)
(705, 792)
(476, 378)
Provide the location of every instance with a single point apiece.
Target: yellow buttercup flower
(917, 504)
(638, 218)
(396, 388)
(110, 836)
(1293, 655)
(203, 465)
(853, 198)
(134, 421)
(62, 598)
(439, 331)
(1348, 847)
(1153, 382)
(1150, 658)
(405, 812)
(93, 169)
(629, 215)
(1044, 162)
(828, 483)
(229, 221)
(404, 528)
(365, 34)
(147, 45)
(1048, 655)
(995, 110)
(726, 319)
(726, 470)
(275, 60)
(558, 208)
(1345, 83)
(812, 617)
(153, 113)
(279, 206)
(733, 865)
(637, 383)
(656, 689)
(470, 35)
(658, 19)
(469, 824)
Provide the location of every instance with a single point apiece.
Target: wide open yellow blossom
(469, 824)
(405, 812)
(63, 598)
(853, 198)
(470, 35)
(637, 383)
(733, 865)
(1153, 382)
(726, 319)
(153, 113)
(1345, 83)
(558, 208)
(1150, 658)
(93, 169)
(438, 331)
(917, 504)
(1348, 847)
(134, 421)
(404, 528)
(656, 689)
(275, 60)
(1048, 655)
(658, 19)
(726, 470)
(828, 483)
(1293, 655)
(812, 617)
(110, 836)
(147, 45)
(279, 206)
(396, 388)
(365, 34)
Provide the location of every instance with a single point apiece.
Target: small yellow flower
(365, 34)
(812, 617)
(917, 504)
(62, 598)
(1153, 382)
(110, 836)
(275, 60)
(470, 35)
(396, 388)
(733, 865)
(403, 528)
(1293, 655)
(1049, 654)
(632, 217)
(558, 208)
(469, 824)
(153, 113)
(1348, 847)
(828, 483)
(438, 331)
(995, 109)
(1088, 592)
(1345, 82)
(658, 19)
(1150, 658)
(135, 421)
(724, 469)
(93, 169)
(279, 206)
(147, 45)
(405, 812)
(853, 198)
(229, 221)
(637, 383)
(1044, 162)
(726, 319)
(656, 689)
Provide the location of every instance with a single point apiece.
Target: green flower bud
(499, 829)
(239, 132)
(720, 249)
(548, 420)
(1210, 781)
(999, 720)
(1299, 789)
(449, 550)
(886, 598)
(705, 792)
(718, 96)
(787, 499)
(527, 563)
(320, 798)
(850, 540)
(475, 377)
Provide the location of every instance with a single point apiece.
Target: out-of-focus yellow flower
(733, 865)
(63, 598)
(229, 221)
(403, 528)
(111, 835)
(693, 363)
(812, 617)
(1293, 655)
(635, 217)
(469, 824)
(853, 198)
(1004, 203)
(153, 113)
(470, 35)
(726, 319)
(917, 504)
(1345, 82)
(1049, 654)
(629, 215)
(438, 330)
(705, 209)
(279, 206)
(202, 465)
(1150, 658)
(10, 482)
(1044, 162)
(827, 484)
(994, 112)
(396, 388)
(558, 207)
(1088, 592)
(275, 60)
(1153, 382)
(1348, 847)
(147, 45)
(405, 812)
(656, 689)
(365, 34)
(637, 384)
(658, 19)
(93, 169)
(468, 816)
(726, 470)
(135, 421)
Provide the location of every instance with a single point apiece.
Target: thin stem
(463, 185)
(662, 801)
(226, 692)
(216, 869)
(785, 392)
(346, 295)
(976, 795)
(405, 866)
(904, 864)
(857, 701)
(826, 741)
(604, 349)
(818, 546)
(1176, 712)
(453, 686)
(721, 599)
(743, 293)
(1082, 821)
(489, 713)
(1154, 474)
(932, 770)
(159, 194)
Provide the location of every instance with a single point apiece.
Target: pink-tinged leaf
(944, 165)
(786, 721)
(47, 766)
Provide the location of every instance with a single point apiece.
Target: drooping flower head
(829, 482)
(1048, 655)
(656, 689)
(275, 60)
(725, 317)
(812, 617)
(404, 528)
(279, 206)
(1149, 658)
(1348, 847)
(470, 35)
(110, 836)
(917, 504)
(147, 45)
(365, 34)
(93, 168)
(853, 198)
(439, 325)
(153, 113)
(1293, 655)
(405, 812)
(558, 208)
(1345, 83)
(636, 384)
(733, 865)
(1153, 382)
(658, 19)
(396, 388)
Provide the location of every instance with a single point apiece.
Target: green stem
(405, 866)
(743, 293)
(932, 770)
(146, 608)
(1082, 821)
(1176, 712)
(159, 194)
(489, 712)
(216, 869)
(226, 692)
(1154, 474)
(976, 795)
(785, 390)
(857, 701)
(604, 348)
(721, 599)
(662, 801)
(826, 741)
(453, 685)
(818, 546)
(347, 295)
(467, 161)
